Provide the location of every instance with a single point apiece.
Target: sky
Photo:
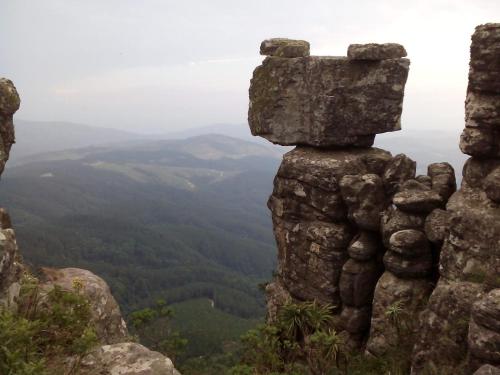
(157, 66)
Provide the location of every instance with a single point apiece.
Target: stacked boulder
(117, 356)
(411, 257)
(459, 328)
(332, 190)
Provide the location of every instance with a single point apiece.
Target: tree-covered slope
(170, 219)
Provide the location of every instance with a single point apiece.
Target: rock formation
(117, 356)
(356, 228)
(460, 326)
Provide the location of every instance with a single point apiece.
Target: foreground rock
(126, 359)
(325, 101)
(106, 315)
(122, 358)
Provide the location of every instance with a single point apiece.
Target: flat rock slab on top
(374, 51)
(281, 47)
(326, 101)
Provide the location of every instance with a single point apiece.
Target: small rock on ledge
(282, 47)
(374, 51)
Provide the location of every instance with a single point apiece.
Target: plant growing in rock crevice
(45, 329)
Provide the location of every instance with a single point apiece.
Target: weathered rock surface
(106, 315)
(11, 267)
(443, 179)
(411, 294)
(400, 169)
(282, 47)
(488, 370)
(374, 51)
(126, 359)
(492, 185)
(418, 201)
(484, 73)
(326, 101)
(436, 226)
(484, 330)
(357, 282)
(365, 246)
(409, 243)
(365, 199)
(9, 104)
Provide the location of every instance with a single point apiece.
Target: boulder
(326, 101)
(476, 170)
(408, 268)
(282, 47)
(409, 243)
(480, 142)
(442, 179)
(365, 199)
(106, 315)
(394, 220)
(482, 109)
(398, 170)
(126, 359)
(418, 201)
(374, 51)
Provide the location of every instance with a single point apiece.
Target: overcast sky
(163, 65)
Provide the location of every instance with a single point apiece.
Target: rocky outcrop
(296, 99)
(459, 327)
(345, 212)
(106, 315)
(120, 357)
(126, 359)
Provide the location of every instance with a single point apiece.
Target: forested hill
(174, 219)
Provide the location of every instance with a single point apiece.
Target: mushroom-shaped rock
(325, 101)
(126, 359)
(282, 47)
(106, 314)
(375, 51)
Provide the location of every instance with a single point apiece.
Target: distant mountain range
(163, 215)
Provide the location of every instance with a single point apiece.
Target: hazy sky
(162, 65)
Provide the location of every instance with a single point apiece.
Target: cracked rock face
(326, 101)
